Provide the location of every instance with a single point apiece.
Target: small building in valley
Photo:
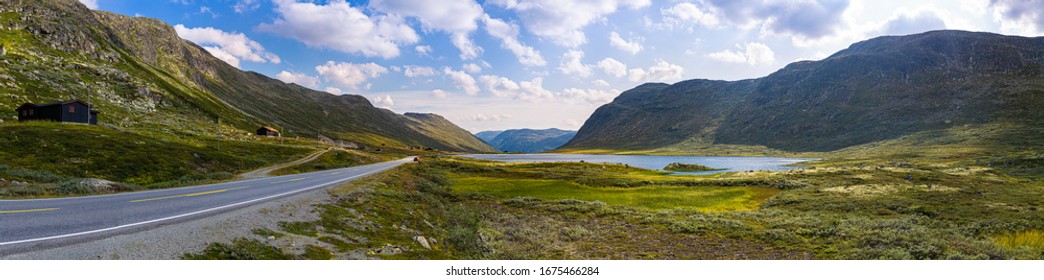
(267, 131)
(75, 111)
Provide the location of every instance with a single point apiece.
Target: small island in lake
(689, 167)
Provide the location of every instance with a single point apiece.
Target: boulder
(422, 241)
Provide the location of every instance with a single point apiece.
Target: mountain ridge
(527, 140)
(875, 90)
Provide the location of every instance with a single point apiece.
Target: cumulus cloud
(485, 118)
(439, 93)
(423, 49)
(749, 53)
(689, 13)
(613, 67)
(911, 23)
(230, 47)
(334, 91)
(383, 102)
(532, 90)
(298, 78)
(809, 19)
(462, 81)
(350, 74)
(339, 26)
(632, 46)
(562, 21)
(588, 96)
(244, 6)
(457, 17)
(571, 64)
(472, 68)
(662, 71)
(91, 4)
(603, 83)
(1023, 17)
(418, 71)
(508, 35)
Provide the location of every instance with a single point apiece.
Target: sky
(507, 64)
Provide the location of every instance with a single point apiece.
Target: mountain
(145, 78)
(880, 89)
(530, 140)
(488, 136)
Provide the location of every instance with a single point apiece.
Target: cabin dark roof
(59, 103)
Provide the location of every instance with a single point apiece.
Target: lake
(657, 162)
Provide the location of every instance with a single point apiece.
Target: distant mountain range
(526, 140)
(879, 89)
(145, 78)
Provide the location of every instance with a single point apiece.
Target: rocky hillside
(879, 89)
(530, 140)
(143, 77)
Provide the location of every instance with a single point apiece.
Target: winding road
(27, 225)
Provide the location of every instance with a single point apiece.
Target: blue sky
(503, 64)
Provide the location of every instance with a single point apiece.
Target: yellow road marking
(27, 210)
(191, 194)
(291, 180)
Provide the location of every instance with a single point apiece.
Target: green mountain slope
(143, 77)
(876, 90)
(530, 140)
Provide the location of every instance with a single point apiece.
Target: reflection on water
(657, 162)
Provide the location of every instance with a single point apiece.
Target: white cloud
(749, 53)
(613, 67)
(485, 118)
(203, 10)
(383, 102)
(1021, 17)
(244, 6)
(423, 49)
(230, 47)
(572, 123)
(632, 46)
(472, 68)
(508, 35)
(804, 20)
(350, 74)
(685, 12)
(468, 49)
(532, 90)
(340, 27)
(458, 17)
(298, 78)
(439, 93)
(418, 71)
(91, 4)
(563, 21)
(588, 96)
(662, 71)
(603, 83)
(334, 91)
(905, 23)
(571, 64)
(462, 81)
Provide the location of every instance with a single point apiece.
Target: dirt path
(264, 171)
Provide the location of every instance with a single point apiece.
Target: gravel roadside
(172, 241)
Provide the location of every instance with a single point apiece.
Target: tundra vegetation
(834, 209)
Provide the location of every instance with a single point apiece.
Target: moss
(688, 167)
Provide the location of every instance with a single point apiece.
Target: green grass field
(648, 197)
(48, 155)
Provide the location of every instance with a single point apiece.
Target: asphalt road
(27, 225)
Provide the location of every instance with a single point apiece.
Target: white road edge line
(186, 214)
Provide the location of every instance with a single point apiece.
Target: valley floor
(454, 208)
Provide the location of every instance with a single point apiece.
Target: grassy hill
(881, 89)
(529, 140)
(143, 77)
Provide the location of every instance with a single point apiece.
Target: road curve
(27, 225)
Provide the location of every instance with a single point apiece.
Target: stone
(423, 241)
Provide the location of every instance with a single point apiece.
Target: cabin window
(30, 112)
(72, 109)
